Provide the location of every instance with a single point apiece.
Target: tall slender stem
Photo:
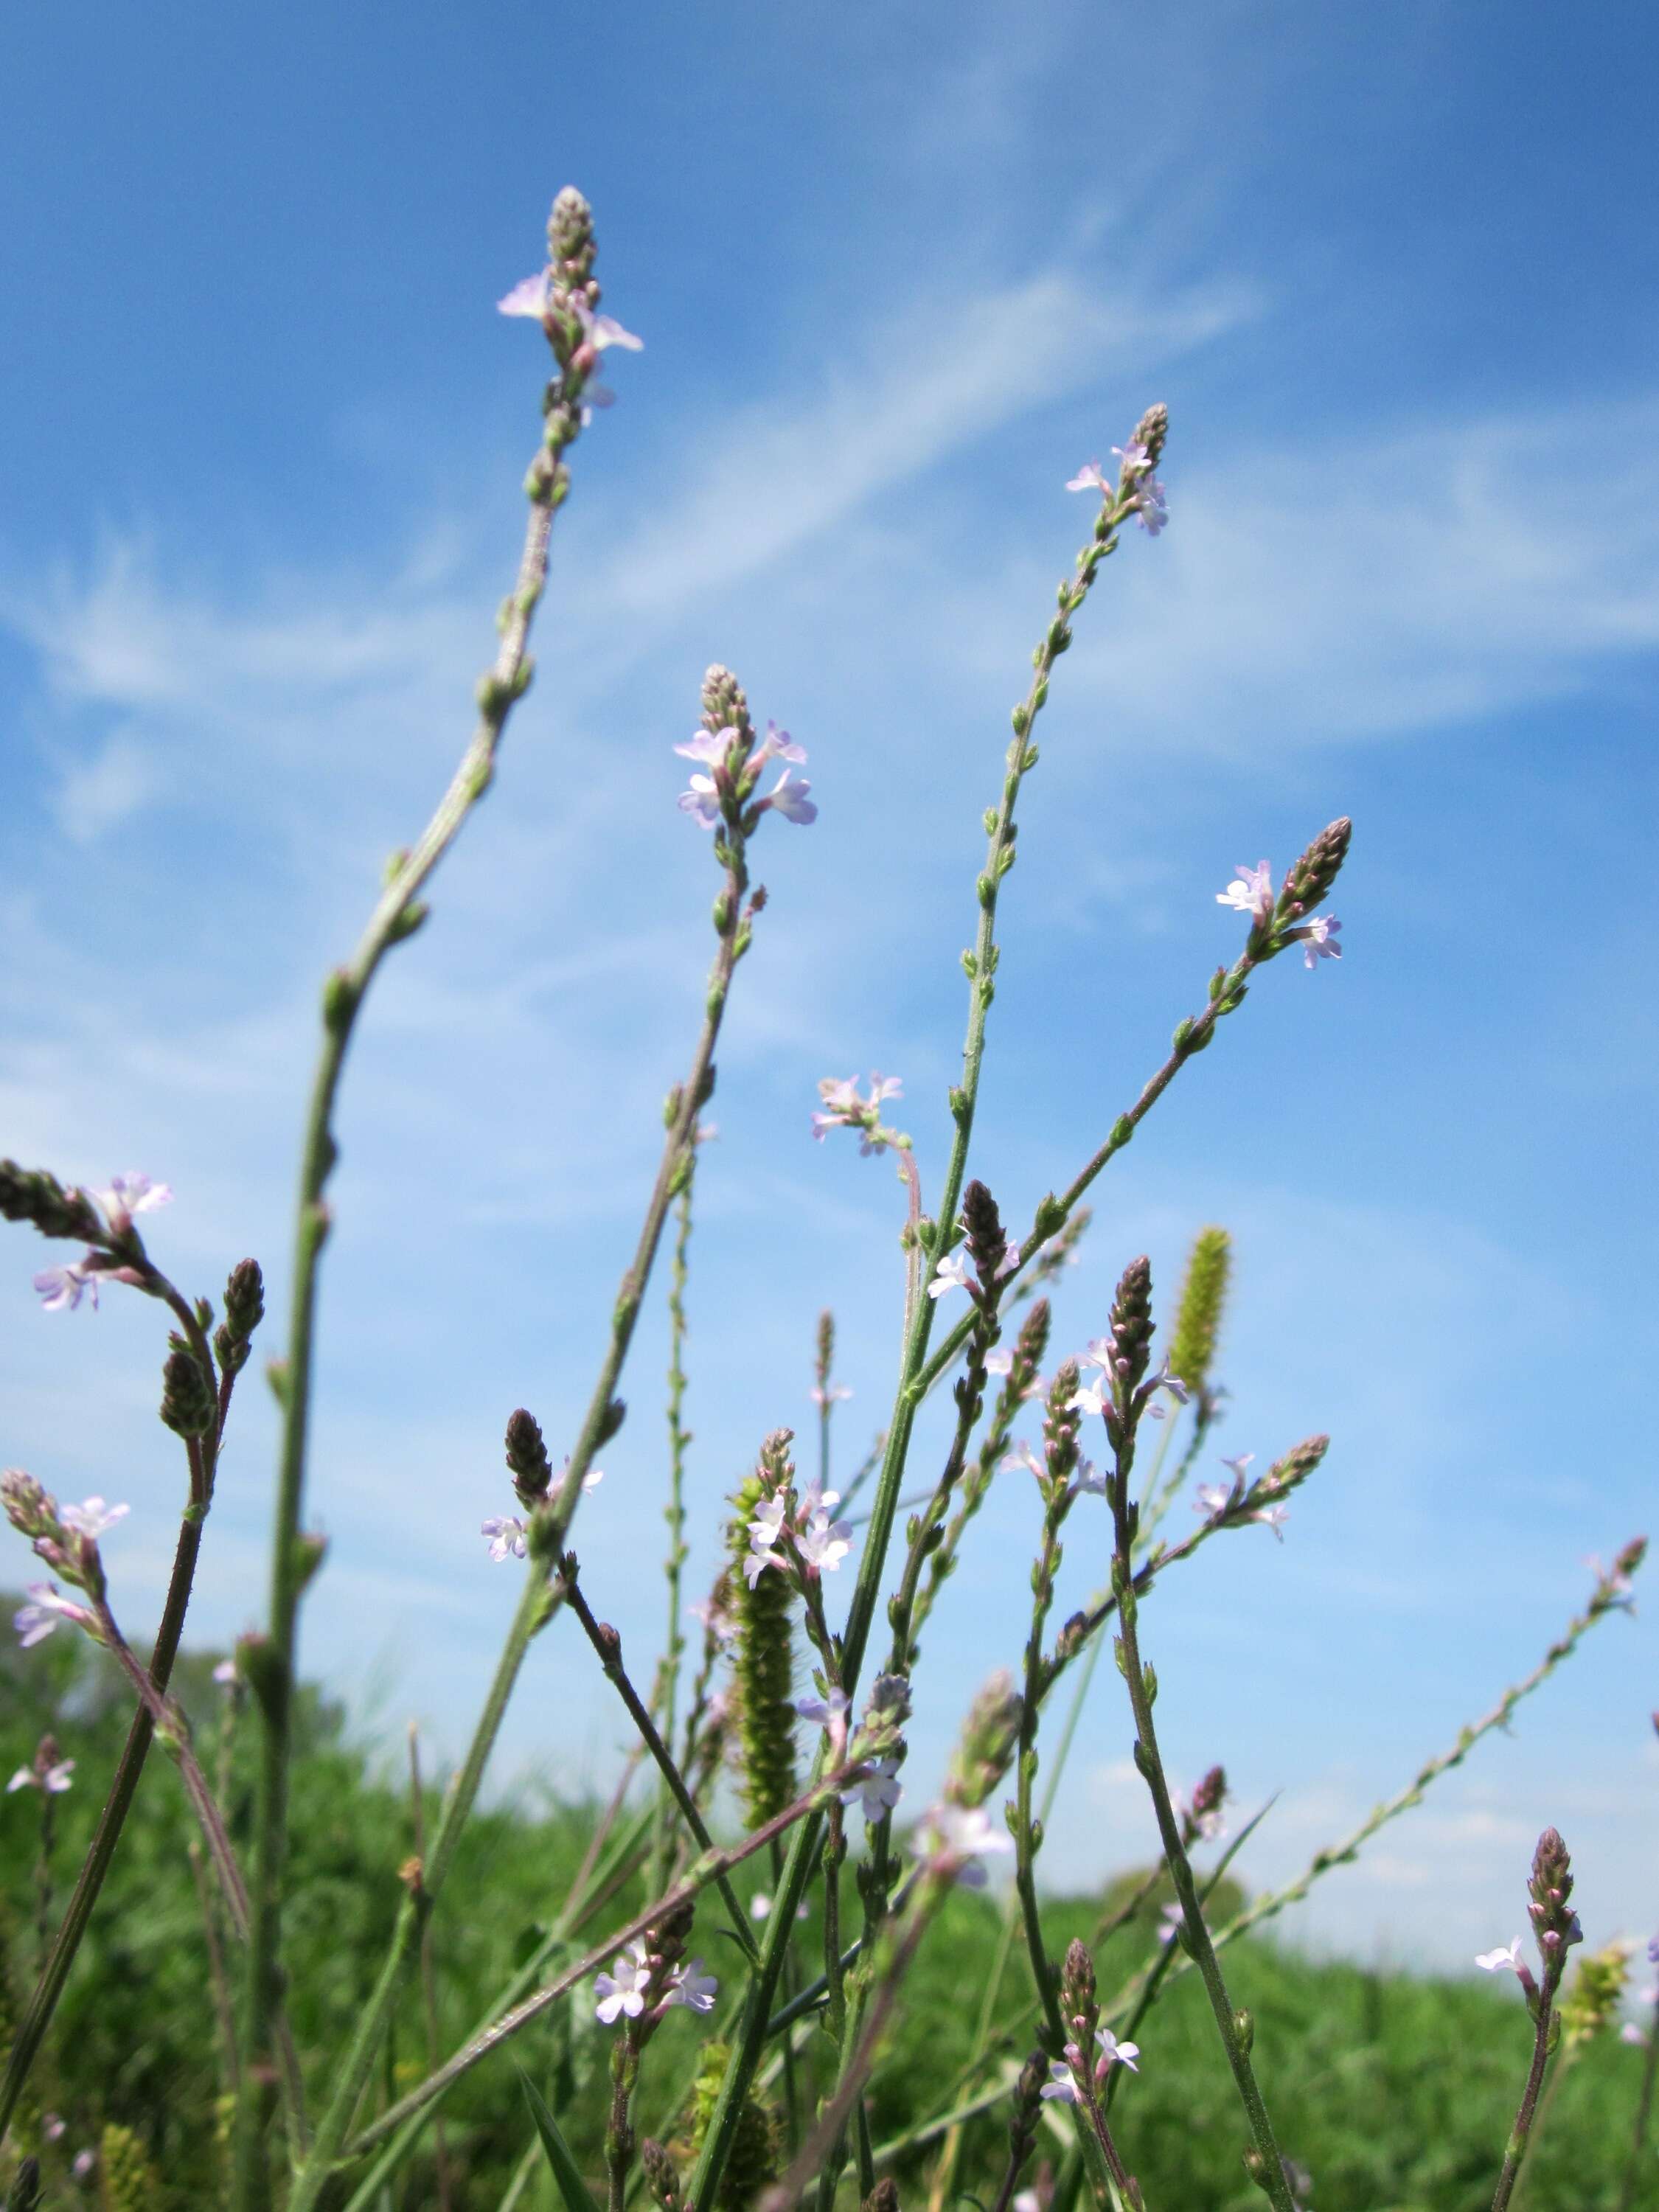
(668, 1674)
(1514, 2150)
(932, 1240)
(1638, 2140)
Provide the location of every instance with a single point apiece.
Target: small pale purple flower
(1153, 504)
(1022, 1457)
(719, 1624)
(1238, 1465)
(226, 1674)
(709, 746)
(507, 1536)
(999, 1360)
(958, 1836)
(828, 1394)
(1629, 2032)
(622, 1990)
(1092, 1398)
(758, 1561)
(952, 1273)
(62, 1287)
(1060, 2085)
(824, 1543)
(602, 331)
(693, 1989)
(702, 801)
(1251, 890)
(53, 2128)
(82, 2164)
(777, 744)
(1090, 477)
(1114, 2053)
(879, 1791)
(1170, 1922)
(1273, 1518)
(55, 1780)
(1213, 1499)
(529, 296)
(788, 797)
(47, 1605)
(768, 1518)
(829, 1710)
(128, 1195)
(1494, 1962)
(92, 1519)
(1317, 939)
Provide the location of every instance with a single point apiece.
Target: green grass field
(1394, 2090)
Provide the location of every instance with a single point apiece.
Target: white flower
(1022, 1457)
(758, 1561)
(1170, 1922)
(93, 1518)
(878, 1792)
(1092, 1398)
(227, 1673)
(959, 1834)
(1251, 890)
(950, 1274)
(693, 1989)
(1273, 1518)
(1213, 1499)
(999, 1360)
(603, 330)
(768, 1520)
(506, 1533)
(591, 1481)
(1493, 1962)
(1114, 2053)
(622, 1990)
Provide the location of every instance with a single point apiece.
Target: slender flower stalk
(1309, 880)
(1130, 1335)
(734, 916)
(666, 1694)
(36, 1197)
(1555, 1928)
(397, 915)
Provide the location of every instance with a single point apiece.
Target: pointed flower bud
(526, 1457)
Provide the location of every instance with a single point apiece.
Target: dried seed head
(526, 1457)
(987, 1240)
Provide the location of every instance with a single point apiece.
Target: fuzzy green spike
(1592, 2003)
(129, 2182)
(754, 2159)
(1198, 1317)
(762, 1670)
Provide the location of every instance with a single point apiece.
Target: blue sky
(897, 272)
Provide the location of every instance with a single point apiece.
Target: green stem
(705, 1870)
(273, 1670)
(540, 1601)
(1520, 2134)
(608, 1645)
(668, 1676)
(1644, 2114)
(1234, 2028)
(932, 1242)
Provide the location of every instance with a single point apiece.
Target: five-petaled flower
(879, 1792)
(1114, 2053)
(1251, 890)
(47, 1605)
(955, 1837)
(693, 1989)
(1062, 2083)
(622, 1990)
(1493, 1962)
(506, 1535)
(1317, 939)
(952, 1273)
(128, 1195)
(62, 1287)
(843, 1108)
(93, 1518)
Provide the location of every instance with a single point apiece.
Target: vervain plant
(775, 2106)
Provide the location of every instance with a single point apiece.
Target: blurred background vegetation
(1394, 2090)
